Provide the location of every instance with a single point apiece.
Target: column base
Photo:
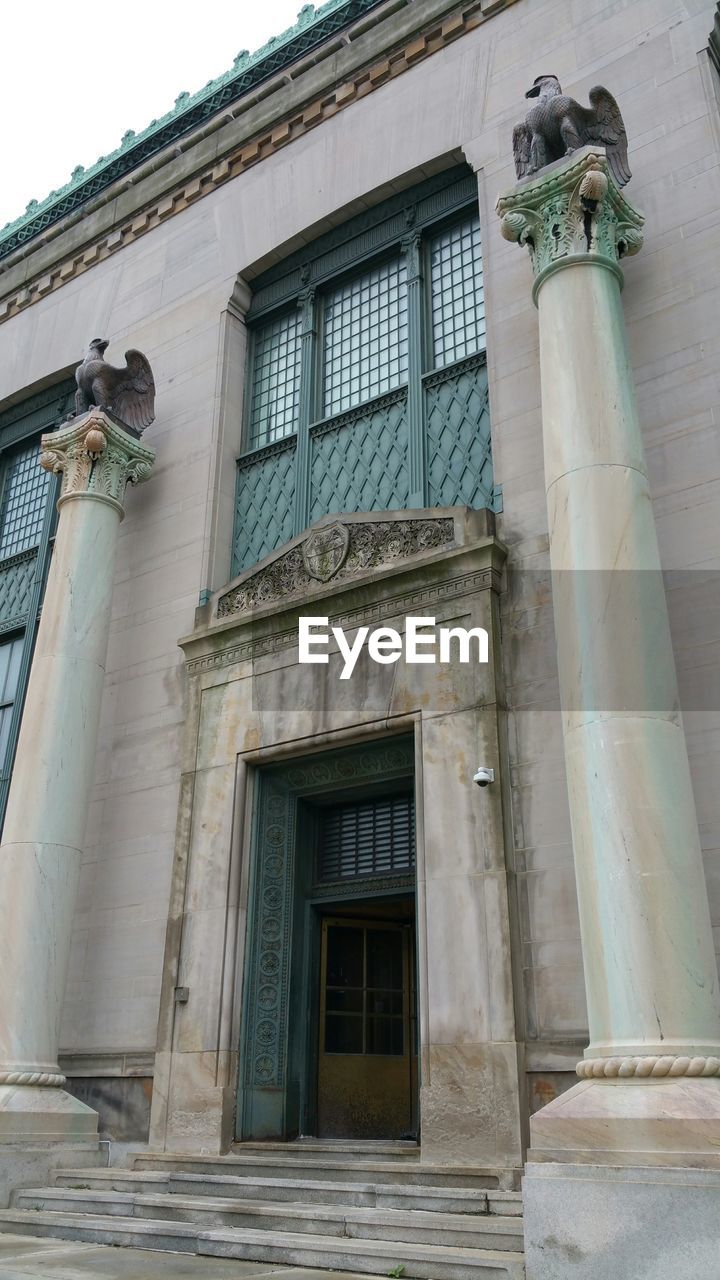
(595, 1222)
(668, 1121)
(44, 1115)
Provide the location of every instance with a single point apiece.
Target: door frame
(274, 1098)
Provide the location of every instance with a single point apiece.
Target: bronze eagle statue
(558, 125)
(129, 393)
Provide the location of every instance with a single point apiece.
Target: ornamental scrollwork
(572, 211)
(370, 545)
(95, 457)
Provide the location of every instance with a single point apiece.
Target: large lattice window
(365, 326)
(24, 500)
(367, 385)
(276, 380)
(27, 515)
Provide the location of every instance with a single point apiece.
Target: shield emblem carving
(325, 550)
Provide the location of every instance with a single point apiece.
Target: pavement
(32, 1258)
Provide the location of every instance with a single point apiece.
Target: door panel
(367, 1056)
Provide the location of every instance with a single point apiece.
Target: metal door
(367, 1063)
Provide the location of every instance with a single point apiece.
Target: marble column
(649, 1090)
(44, 827)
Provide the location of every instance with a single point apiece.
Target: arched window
(366, 386)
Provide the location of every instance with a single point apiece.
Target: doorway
(331, 918)
(367, 1035)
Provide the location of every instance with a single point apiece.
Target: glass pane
(343, 1033)
(385, 1035)
(275, 380)
(384, 959)
(387, 1002)
(365, 337)
(23, 502)
(344, 957)
(456, 293)
(346, 1000)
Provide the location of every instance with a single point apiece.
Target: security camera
(484, 776)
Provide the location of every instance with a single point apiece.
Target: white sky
(74, 76)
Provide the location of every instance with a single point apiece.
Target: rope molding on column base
(44, 1079)
(651, 1067)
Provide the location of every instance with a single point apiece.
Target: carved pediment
(335, 551)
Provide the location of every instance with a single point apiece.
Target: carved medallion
(325, 550)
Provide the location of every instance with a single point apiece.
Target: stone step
(456, 1230)
(325, 1168)
(377, 1257)
(315, 1148)
(407, 1195)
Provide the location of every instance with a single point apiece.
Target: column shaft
(647, 939)
(650, 1078)
(44, 828)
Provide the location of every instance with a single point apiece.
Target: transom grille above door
(367, 838)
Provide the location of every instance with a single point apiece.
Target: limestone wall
(167, 292)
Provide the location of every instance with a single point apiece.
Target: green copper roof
(312, 28)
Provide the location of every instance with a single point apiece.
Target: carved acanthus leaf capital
(96, 457)
(571, 211)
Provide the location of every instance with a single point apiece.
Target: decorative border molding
(107, 1065)
(365, 410)
(371, 545)
(41, 1079)
(652, 1067)
(442, 32)
(265, 451)
(450, 589)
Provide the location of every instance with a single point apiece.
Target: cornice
(227, 146)
(241, 642)
(313, 28)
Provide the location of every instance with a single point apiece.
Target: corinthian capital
(97, 458)
(571, 211)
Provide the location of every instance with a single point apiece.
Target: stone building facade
(349, 427)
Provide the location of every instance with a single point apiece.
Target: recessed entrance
(367, 1052)
(329, 1045)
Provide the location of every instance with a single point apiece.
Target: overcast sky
(75, 76)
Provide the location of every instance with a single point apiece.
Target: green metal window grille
(367, 387)
(365, 336)
(367, 838)
(24, 500)
(276, 381)
(27, 522)
(10, 664)
(457, 299)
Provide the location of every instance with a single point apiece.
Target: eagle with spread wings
(559, 125)
(129, 393)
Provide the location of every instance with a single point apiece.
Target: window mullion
(42, 564)
(412, 249)
(308, 332)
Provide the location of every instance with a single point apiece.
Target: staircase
(362, 1207)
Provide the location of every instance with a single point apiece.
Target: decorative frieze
(340, 551)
